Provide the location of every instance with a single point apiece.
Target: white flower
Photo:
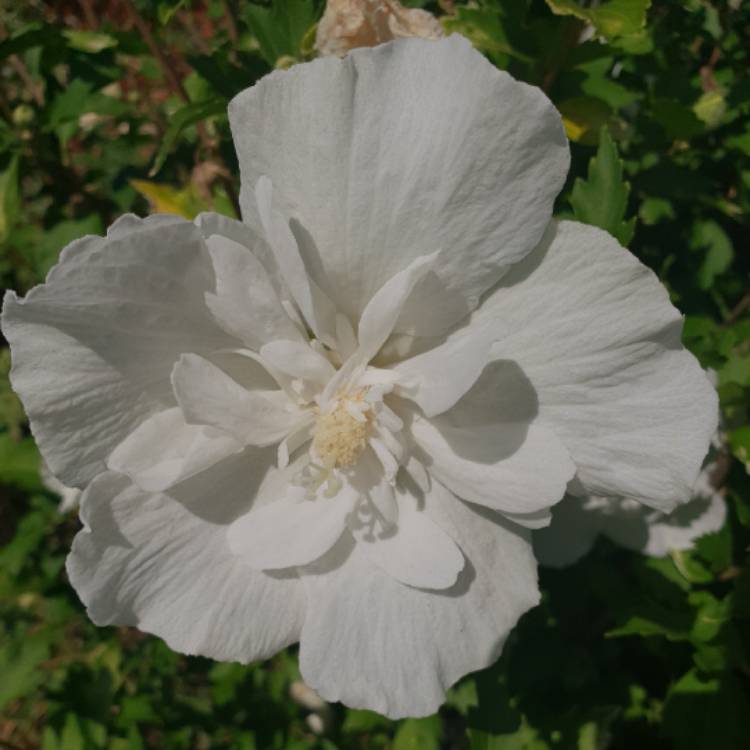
(348, 24)
(577, 521)
(276, 418)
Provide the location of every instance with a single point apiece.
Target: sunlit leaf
(602, 198)
(613, 18)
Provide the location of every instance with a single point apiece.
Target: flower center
(341, 432)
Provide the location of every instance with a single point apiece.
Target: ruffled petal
(437, 378)
(290, 532)
(208, 396)
(679, 529)
(246, 304)
(371, 642)
(632, 406)
(93, 347)
(612, 379)
(491, 448)
(317, 309)
(415, 550)
(161, 562)
(569, 536)
(164, 450)
(298, 360)
(518, 468)
(343, 143)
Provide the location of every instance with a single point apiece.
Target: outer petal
(374, 643)
(164, 450)
(594, 332)
(680, 529)
(94, 345)
(343, 143)
(161, 562)
(570, 535)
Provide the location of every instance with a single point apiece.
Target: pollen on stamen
(341, 433)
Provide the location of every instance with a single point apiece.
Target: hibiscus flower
(578, 521)
(347, 24)
(335, 421)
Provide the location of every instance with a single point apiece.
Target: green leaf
(28, 38)
(188, 115)
(678, 121)
(601, 200)
(708, 236)
(281, 28)
(419, 734)
(20, 658)
(707, 713)
(739, 442)
(89, 41)
(360, 721)
(165, 11)
(19, 463)
(10, 200)
(493, 28)
(584, 117)
(524, 738)
(611, 19)
(711, 616)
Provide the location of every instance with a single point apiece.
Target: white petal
(656, 534)
(416, 551)
(298, 361)
(370, 483)
(252, 237)
(569, 536)
(630, 403)
(437, 378)
(346, 340)
(164, 450)
(382, 311)
(374, 643)
(208, 396)
(490, 448)
(514, 468)
(682, 527)
(127, 224)
(93, 347)
(161, 562)
(290, 532)
(246, 303)
(343, 142)
(314, 305)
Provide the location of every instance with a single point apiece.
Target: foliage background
(119, 105)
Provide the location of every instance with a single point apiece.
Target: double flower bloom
(335, 421)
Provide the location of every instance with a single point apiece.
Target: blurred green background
(111, 106)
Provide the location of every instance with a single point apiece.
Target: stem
(737, 310)
(173, 80)
(230, 23)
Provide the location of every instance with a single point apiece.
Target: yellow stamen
(339, 436)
